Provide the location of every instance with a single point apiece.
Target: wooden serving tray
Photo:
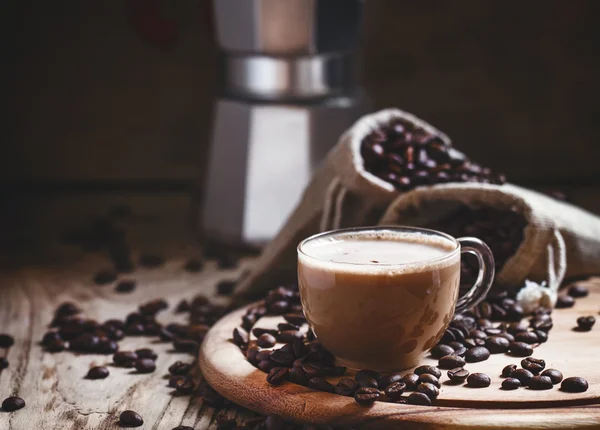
(458, 406)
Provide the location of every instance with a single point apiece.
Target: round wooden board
(574, 353)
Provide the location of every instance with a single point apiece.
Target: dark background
(105, 93)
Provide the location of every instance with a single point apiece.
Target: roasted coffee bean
(366, 396)
(193, 265)
(496, 344)
(145, 365)
(266, 341)
(522, 375)
(287, 326)
(515, 313)
(283, 357)
(346, 387)
(185, 385)
(266, 365)
(574, 384)
(511, 384)
(279, 307)
(461, 351)
(264, 355)
(134, 329)
(479, 380)
(240, 337)
(417, 398)
(105, 277)
(451, 362)
(528, 337)
(3, 363)
(585, 323)
(520, 349)
(180, 368)
(386, 380)
(300, 349)
(540, 383)
(56, 346)
(125, 358)
(290, 336)
(6, 341)
(85, 342)
(174, 379)
(67, 309)
(11, 404)
(146, 353)
(367, 381)
(459, 374)
(125, 286)
(432, 370)
(477, 334)
(430, 379)
(130, 419)
(298, 376)
(428, 389)
(541, 335)
(508, 370)
(277, 375)
(258, 332)
(97, 372)
(394, 391)
(534, 365)
(441, 350)
(479, 353)
(320, 384)
(296, 319)
(555, 375)
(578, 291)
(563, 301)
(411, 380)
(517, 327)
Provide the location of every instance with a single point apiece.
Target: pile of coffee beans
(406, 156)
(533, 375)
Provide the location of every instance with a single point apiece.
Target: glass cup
(374, 313)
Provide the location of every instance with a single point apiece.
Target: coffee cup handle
(485, 277)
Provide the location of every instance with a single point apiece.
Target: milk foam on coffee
(376, 251)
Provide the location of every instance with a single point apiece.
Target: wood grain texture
(226, 369)
(39, 274)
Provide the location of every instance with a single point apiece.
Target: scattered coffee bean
(366, 396)
(145, 365)
(411, 380)
(287, 326)
(346, 387)
(497, 344)
(193, 265)
(578, 291)
(296, 319)
(130, 419)
(151, 261)
(459, 374)
(258, 332)
(180, 368)
(574, 384)
(3, 363)
(6, 341)
(441, 350)
(97, 372)
(540, 383)
(563, 301)
(320, 384)
(585, 323)
(266, 340)
(432, 370)
(511, 384)
(277, 375)
(125, 286)
(240, 337)
(428, 389)
(226, 288)
(125, 358)
(421, 399)
(394, 391)
(389, 379)
(508, 370)
(11, 404)
(185, 386)
(555, 375)
(522, 375)
(290, 336)
(520, 349)
(479, 380)
(85, 342)
(451, 362)
(429, 379)
(541, 335)
(534, 365)
(105, 277)
(479, 353)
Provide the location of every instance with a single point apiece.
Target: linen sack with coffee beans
(344, 193)
(392, 155)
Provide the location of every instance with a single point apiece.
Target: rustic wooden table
(37, 273)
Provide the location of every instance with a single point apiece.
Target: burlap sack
(559, 240)
(341, 194)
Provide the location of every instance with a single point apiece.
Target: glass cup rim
(393, 228)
